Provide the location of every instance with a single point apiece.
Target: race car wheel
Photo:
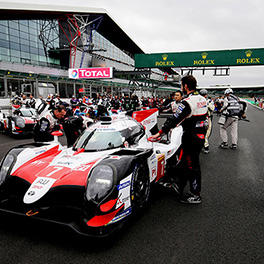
(140, 187)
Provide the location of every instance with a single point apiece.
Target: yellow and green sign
(239, 57)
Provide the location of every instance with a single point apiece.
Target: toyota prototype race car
(21, 121)
(97, 184)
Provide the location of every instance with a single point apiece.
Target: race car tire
(140, 187)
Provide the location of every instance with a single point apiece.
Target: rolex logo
(248, 53)
(204, 55)
(164, 56)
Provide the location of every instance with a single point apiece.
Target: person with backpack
(230, 113)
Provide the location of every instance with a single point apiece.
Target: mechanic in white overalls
(48, 122)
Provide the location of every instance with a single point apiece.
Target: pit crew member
(48, 122)
(191, 114)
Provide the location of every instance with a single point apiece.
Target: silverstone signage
(240, 57)
(91, 73)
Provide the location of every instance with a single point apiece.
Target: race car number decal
(56, 169)
(38, 189)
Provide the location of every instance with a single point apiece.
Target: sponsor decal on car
(38, 189)
(40, 151)
(83, 167)
(64, 163)
(37, 162)
(115, 157)
(123, 185)
(124, 192)
(153, 156)
(154, 173)
(152, 164)
(121, 215)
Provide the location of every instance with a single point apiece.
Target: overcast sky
(159, 26)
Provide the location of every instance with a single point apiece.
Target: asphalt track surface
(228, 227)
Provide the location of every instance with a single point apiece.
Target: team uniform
(45, 126)
(191, 113)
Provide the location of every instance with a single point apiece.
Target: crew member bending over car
(191, 114)
(49, 122)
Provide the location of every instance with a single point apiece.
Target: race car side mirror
(126, 144)
(57, 133)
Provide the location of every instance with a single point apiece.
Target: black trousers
(190, 170)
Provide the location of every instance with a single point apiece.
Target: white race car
(94, 186)
(21, 121)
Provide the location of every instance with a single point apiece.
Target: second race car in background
(20, 121)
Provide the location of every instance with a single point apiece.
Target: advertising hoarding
(91, 73)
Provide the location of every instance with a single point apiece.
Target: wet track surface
(228, 227)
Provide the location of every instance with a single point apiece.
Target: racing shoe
(223, 145)
(233, 146)
(191, 199)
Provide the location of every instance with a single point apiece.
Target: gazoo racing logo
(248, 59)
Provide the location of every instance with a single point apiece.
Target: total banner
(91, 73)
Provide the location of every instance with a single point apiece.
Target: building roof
(38, 11)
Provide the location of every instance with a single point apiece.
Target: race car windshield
(98, 140)
(28, 112)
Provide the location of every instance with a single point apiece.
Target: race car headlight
(20, 122)
(6, 164)
(100, 183)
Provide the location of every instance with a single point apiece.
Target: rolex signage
(164, 62)
(203, 60)
(240, 57)
(248, 58)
